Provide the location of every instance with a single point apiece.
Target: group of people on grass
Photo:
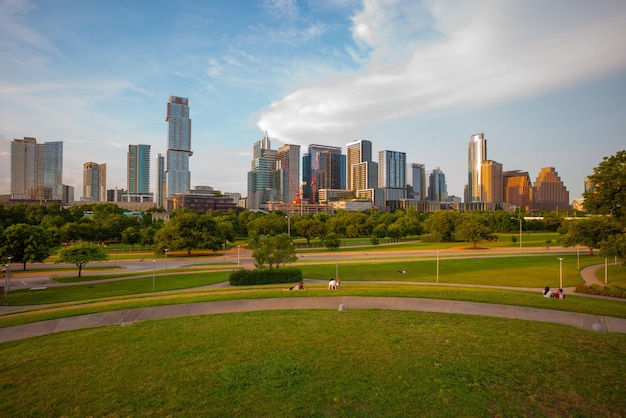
(547, 293)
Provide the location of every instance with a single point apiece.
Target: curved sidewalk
(130, 316)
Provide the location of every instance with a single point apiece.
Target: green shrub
(596, 289)
(265, 276)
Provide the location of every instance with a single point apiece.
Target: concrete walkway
(130, 316)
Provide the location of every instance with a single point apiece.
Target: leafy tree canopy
(608, 195)
(81, 254)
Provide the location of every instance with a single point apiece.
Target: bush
(265, 276)
(595, 289)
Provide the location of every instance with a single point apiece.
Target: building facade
(477, 153)
(492, 188)
(322, 168)
(36, 170)
(437, 188)
(94, 182)
(178, 145)
(361, 171)
(262, 177)
(138, 169)
(416, 179)
(517, 189)
(161, 182)
(549, 192)
(289, 172)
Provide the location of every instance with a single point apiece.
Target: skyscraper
(492, 188)
(289, 172)
(161, 182)
(476, 155)
(94, 182)
(178, 145)
(361, 171)
(36, 170)
(322, 168)
(262, 181)
(138, 169)
(549, 192)
(392, 174)
(517, 188)
(417, 180)
(437, 190)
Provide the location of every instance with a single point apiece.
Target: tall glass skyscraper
(36, 170)
(476, 155)
(262, 177)
(138, 169)
(178, 145)
(160, 181)
(94, 182)
(322, 168)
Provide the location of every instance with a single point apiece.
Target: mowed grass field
(365, 363)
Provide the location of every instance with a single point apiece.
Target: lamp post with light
(288, 225)
(238, 247)
(7, 281)
(153, 272)
(437, 266)
(560, 273)
(166, 261)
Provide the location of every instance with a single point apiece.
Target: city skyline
(545, 83)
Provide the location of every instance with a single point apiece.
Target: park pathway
(129, 316)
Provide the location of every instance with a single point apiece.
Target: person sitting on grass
(547, 292)
(559, 294)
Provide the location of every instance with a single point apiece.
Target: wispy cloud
(454, 54)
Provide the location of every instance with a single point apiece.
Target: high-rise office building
(437, 189)
(549, 192)
(492, 188)
(36, 170)
(322, 168)
(517, 188)
(178, 145)
(138, 160)
(476, 155)
(262, 177)
(161, 181)
(94, 182)
(289, 172)
(416, 178)
(361, 171)
(392, 174)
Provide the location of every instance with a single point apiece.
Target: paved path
(129, 316)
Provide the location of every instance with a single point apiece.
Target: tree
(331, 241)
(614, 246)
(470, 228)
(26, 243)
(188, 230)
(608, 195)
(274, 251)
(80, 254)
(131, 235)
(309, 228)
(589, 232)
(441, 225)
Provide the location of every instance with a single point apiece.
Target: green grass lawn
(363, 363)
(514, 271)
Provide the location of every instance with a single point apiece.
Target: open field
(318, 363)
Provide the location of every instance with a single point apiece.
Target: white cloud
(454, 54)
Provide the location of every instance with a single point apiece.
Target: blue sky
(544, 80)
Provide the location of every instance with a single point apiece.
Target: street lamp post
(7, 281)
(336, 266)
(153, 271)
(437, 266)
(166, 261)
(606, 270)
(288, 225)
(238, 247)
(520, 233)
(560, 273)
